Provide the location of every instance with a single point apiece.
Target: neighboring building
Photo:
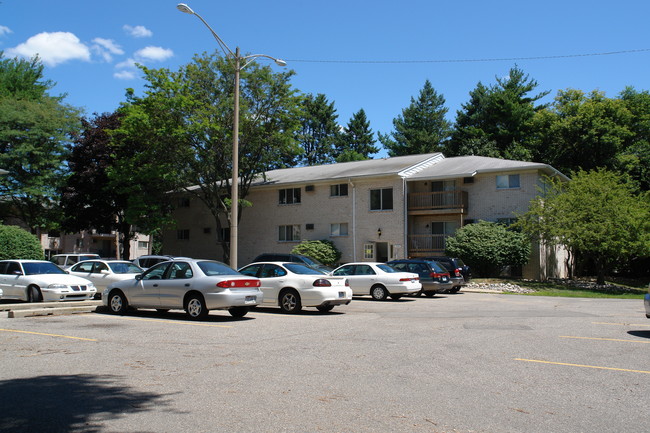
(373, 210)
(104, 244)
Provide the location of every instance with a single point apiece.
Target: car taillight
(229, 284)
(458, 272)
(436, 275)
(410, 279)
(322, 282)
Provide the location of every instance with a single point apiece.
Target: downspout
(406, 223)
(354, 220)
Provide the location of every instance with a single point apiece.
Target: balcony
(431, 203)
(426, 245)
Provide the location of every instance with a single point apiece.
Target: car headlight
(58, 286)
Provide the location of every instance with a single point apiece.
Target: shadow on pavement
(642, 334)
(69, 403)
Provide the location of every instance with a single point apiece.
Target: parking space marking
(606, 339)
(582, 365)
(176, 322)
(48, 335)
(620, 324)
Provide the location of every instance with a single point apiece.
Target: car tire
(378, 293)
(454, 290)
(117, 303)
(34, 294)
(290, 301)
(396, 297)
(238, 312)
(325, 308)
(429, 294)
(195, 307)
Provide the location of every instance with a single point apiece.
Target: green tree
(497, 120)
(597, 215)
(16, 243)
(488, 247)
(422, 126)
(635, 158)
(181, 130)
(356, 141)
(323, 250)
(34, 131)
(582, 131)
(319, 130)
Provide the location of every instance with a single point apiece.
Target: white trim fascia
(410, 171)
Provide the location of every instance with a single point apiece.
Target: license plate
(341, 294)
(413, 280)
(251, 299)
(445, 279)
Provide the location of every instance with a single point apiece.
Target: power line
(502, 59)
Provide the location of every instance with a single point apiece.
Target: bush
(488, 247)
(324, 251)
(16, 243)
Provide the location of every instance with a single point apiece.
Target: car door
(176, 282)
(273, 278)
(84, 270)
(145, 292)
(13, 284)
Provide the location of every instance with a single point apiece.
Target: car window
(99, 267)
(39, 268)
(156, 272)
(301, 269)
(399, 266)
(251, 270)
(3, 267)
(180, 271)
(14, 269)
(386, 268)
(125, 268)
(438, 267)
(83, 267)
(216, 268)
(59, 260)
(344, 270)
(367, 270)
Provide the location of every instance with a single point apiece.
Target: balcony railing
(422, 245)
(438, 200)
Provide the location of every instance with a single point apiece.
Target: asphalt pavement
(469, 362)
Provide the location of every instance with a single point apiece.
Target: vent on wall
(309, 188)
(309, 227)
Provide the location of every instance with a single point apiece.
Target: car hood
(46, 279)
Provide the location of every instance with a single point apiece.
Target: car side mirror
(17, 273)
(138, 277)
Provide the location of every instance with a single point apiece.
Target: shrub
(324, 251)
(16, 243)
(489, 247)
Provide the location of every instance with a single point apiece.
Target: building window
(507, 181)
(225, 234)
(339, 190)
(381, 199)
(207, 230)
(339, 229)
(143, 245)
(289, 196)
(290, 233)
(183, 202)
(368, 251)
(183, 235)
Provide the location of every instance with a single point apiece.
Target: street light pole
(234, 194)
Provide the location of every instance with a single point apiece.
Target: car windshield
(38, 268)
(312, 262)
(297, 268)
(387, 269)
(125, 268)
(216, 268)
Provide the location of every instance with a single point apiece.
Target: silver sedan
(196, 286)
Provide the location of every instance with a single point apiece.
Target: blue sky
(374, 55)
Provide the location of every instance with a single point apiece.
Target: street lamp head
(280, 62)
(185, 8)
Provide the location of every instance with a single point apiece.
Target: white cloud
(138, 31)
(124, 75)
(153, 53)
(52, 48)
(4, 30)
(106, 48)
(128, 64)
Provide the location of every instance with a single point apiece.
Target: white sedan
(104, 272)
(40, 280)
(292, 286)
(378, 280)
(193, 285)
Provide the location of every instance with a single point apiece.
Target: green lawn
(615, 289)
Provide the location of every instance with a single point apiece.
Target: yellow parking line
(175, 322)
(618, 324)
(606, 339)
(581, 365)
(48, 335)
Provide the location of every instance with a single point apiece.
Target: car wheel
(454, 290)
(117, 302)
(290, 301)
(238, 311)
(325, 308)
(34, 294)
(195, 307)
(378, 293)
(395, 297)
(429, 294)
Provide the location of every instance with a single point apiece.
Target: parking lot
(469, 362)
